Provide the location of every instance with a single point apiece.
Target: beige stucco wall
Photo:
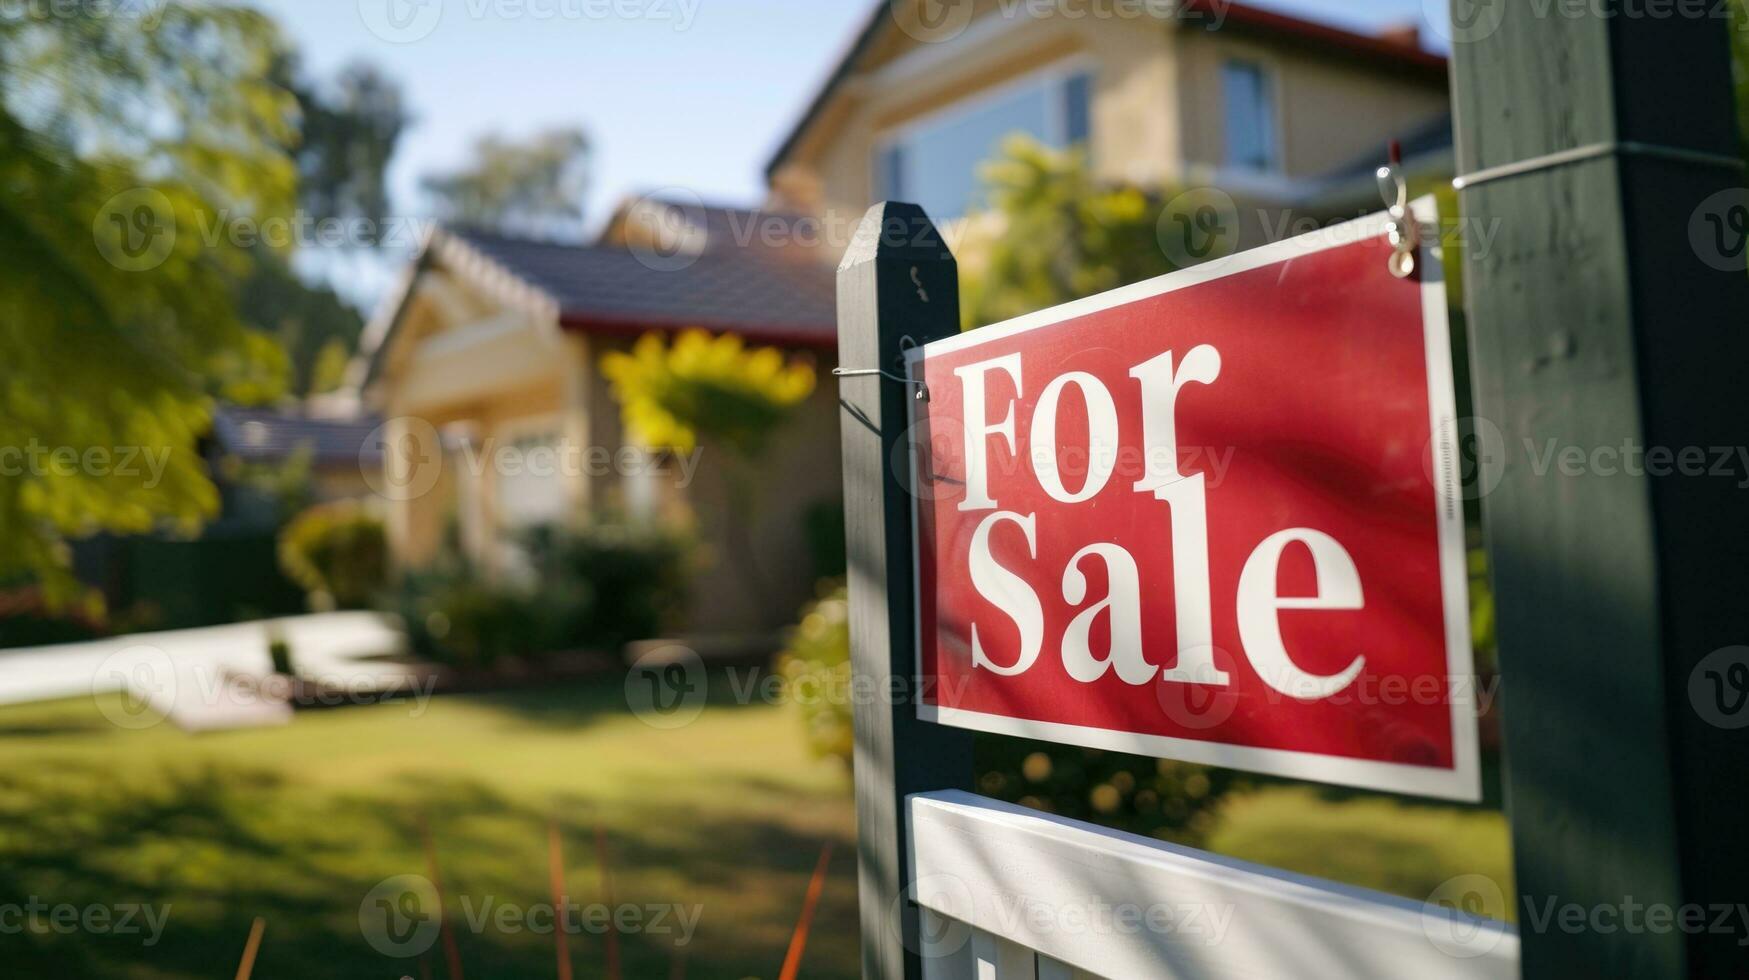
(1331, 109)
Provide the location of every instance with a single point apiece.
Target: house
(1281, 113)
(493, 344)
(486, 365)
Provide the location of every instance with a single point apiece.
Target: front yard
(725, 816)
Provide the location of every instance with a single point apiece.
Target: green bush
(338, 552)
(1170, 800)
(815, 669)
(27, 620)
(1175, 801)
(617, 582)
(455, 617)
(593, 588)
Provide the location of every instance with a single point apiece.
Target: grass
(1386, 843)
(298, 824)
(727, 815)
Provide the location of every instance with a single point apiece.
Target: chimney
(1406, 34)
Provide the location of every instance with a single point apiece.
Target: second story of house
(1159, 92)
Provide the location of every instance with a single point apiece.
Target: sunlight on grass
(1402, 848)
(297, 824)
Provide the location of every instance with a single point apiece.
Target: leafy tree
(705, 388)
(314, 326)
(349, 130)
(713, 390)
(1058, 234)
(118, 142)
(532, 187)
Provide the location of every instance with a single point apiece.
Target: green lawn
(727, 815)
(298, 824)
(1392, 844)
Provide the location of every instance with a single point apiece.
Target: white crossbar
(1013, 894)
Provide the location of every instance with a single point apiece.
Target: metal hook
(922, 389)
(1405, 232)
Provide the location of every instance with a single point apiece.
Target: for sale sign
(1212, 517)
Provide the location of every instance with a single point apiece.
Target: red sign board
(1211, 517)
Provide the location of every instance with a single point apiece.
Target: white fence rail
(1012, 894)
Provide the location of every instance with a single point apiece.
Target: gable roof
(1239, 16)
(764, 297)
(773, 294)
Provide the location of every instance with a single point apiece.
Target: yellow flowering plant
(704, 388)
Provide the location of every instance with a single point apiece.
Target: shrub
(1174, 801)
(617, 582)
(454, 617)
(27, 619)
(815, 669)
(592, 588)
(337, 552)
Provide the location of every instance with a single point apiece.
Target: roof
(753, 291)
(1427, 140)
(1239, 16)
(267, 434)
(729, 273)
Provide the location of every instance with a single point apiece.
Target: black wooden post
(1596, 319)
(898, 285)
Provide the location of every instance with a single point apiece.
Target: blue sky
(696, 94)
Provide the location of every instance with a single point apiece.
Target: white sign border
(1462, 782)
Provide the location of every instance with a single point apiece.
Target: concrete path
(205, 678)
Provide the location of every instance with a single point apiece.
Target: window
(531, 481)
(1250, 116)
(935, 164)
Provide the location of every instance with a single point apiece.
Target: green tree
(348, 131)
(534, 186)
(1058, 234)
(119, 140)
(713, 390)
(307, 319)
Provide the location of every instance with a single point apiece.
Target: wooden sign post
(1597, 138)
(898, 287)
